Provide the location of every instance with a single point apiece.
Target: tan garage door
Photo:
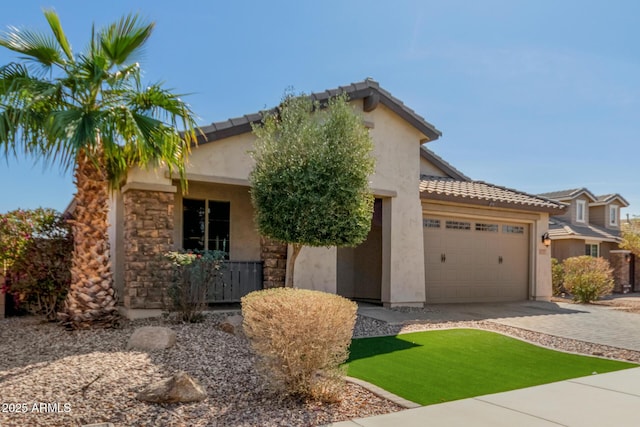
(475, 261)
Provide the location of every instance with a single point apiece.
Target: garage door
(475, 261)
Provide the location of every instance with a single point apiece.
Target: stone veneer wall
(274, 258)
(621, 270)
(148, 232)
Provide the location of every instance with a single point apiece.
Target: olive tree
(310, 183)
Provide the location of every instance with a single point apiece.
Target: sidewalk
(610, 399)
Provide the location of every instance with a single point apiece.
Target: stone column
(620, 261)
(274, 262)
(148, 233)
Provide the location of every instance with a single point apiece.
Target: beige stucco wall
(244, 238)
(397, 152)
(428, 168)
(316, 268)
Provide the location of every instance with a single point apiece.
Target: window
(580, 210)
(613, 215)
(431, 223)
(208, 218)
(591, 249)
(513, 229)
(487, 227)
(458, 225)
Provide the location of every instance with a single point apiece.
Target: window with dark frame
(208, 218)
(591, 250)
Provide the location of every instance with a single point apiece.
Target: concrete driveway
(592, 323)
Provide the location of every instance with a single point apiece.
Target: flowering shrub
(587, 278)
(35, 252)
(191, 276)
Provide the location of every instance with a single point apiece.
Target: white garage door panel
(468, 263)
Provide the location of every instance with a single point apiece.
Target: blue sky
(534, 95)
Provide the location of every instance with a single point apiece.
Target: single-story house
(436, 236)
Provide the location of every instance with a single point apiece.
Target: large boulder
(151, 338)
(180, 388)
(232, 325)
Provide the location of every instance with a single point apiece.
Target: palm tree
(91, 112)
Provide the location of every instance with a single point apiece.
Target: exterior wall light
(546, 240)
(627, 257)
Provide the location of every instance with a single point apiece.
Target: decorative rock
(151, 338)
(179, 388)
(232, 324)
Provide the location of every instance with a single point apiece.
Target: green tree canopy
(310, 184)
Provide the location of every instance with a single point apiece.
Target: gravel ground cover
(89, 377)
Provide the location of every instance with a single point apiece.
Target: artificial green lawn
(439, 366)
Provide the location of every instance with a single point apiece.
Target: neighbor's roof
(368, 90)
(442, 164)
(568, 194)
(559, 229)
(484, 194)
(608, 198)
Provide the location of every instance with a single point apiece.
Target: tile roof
(367, 89)
(485, 194)
(568, 194)
(560, 229)
(608, 198)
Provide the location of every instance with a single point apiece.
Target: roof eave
(425, 195)
(368, 91)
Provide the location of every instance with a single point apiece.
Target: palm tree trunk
(91, 300)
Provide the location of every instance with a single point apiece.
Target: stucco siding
(397, 153)
(428, 168)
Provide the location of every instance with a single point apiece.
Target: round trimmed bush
(302, 338)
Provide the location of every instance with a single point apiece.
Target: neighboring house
(436, 236)
(591, 226)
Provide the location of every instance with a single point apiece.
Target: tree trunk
(296, 247)
(91, 300)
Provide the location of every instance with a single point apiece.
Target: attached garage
(482, 242)
(468, 260)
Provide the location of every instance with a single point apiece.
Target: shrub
(192, 274)
(35, 247)
(557, 277)
(302, 338)
(587, 278)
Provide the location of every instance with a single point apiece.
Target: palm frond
(124, 38)
(56, 28)
(164, 105)
(36, 46)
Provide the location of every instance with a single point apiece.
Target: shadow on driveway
(465, 311)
